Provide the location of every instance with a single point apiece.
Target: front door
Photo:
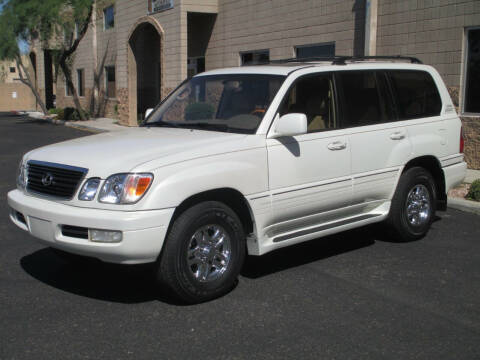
(309, 174)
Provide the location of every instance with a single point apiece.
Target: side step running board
(324, 227)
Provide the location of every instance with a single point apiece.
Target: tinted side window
(416, 94)
(365, 97)
(313, 96)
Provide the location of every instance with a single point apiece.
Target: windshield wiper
(189, 125)
(161, 123)
(205, 125)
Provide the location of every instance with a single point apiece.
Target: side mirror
(148, 112)
(289, 125)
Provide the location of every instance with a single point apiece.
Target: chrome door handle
(337, 145)
(398, 135)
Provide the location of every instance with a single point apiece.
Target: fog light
(105, 236)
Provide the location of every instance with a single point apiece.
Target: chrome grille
(55, 180)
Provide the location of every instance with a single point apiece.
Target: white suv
(249, 160)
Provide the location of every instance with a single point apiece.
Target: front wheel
(203, 253)
(413, 205)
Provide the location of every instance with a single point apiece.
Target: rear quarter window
(416, 94)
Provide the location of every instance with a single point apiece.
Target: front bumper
(143, 231)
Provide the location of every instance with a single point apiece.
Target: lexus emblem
(47, 179)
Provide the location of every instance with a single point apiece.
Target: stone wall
(123, 106)
(471, 128)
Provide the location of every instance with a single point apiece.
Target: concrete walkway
(464, 204)
(471, 176)
(98, 124)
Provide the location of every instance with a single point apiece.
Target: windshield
(230, 103)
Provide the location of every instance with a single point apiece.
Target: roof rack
(341, 60)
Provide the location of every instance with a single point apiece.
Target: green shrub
(474, 192)
(67, 113)
(70, 113)
(76, 115)
(199, 111)
(53, 111)
(57, 111)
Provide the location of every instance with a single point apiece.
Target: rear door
(379, 144)
(419, 110)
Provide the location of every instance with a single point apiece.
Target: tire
(195, 264)
(413, 205)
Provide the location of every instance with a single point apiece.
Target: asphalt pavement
(350, 296)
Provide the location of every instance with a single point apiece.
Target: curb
(69, 124)
(464, 205)
(83, 127)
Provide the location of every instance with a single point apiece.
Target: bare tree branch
(29, 83)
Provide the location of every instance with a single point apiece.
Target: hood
(122, 151)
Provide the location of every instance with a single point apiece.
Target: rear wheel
(413, 205)
(203, 253)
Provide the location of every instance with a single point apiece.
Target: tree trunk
(66, 53)
(68, 77)
(28, 82)
(94, 95)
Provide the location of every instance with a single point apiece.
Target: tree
(56, 24)
(9, 50)
(71, 43)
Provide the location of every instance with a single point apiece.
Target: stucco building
(13, 94)
(142, 49)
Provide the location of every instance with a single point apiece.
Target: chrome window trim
(60, 166)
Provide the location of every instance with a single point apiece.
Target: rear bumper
(454, 174)
(143, 232)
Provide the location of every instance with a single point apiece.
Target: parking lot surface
(350, 296)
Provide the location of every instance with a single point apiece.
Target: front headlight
(124, 188)
(22, 175)
(89, 189)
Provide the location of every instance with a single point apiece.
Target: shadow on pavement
(29, 121)
(308, 252)
(95, 279)
(135, 283)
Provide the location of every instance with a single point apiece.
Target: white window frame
(463, 80)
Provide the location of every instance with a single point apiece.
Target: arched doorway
(145, 69)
